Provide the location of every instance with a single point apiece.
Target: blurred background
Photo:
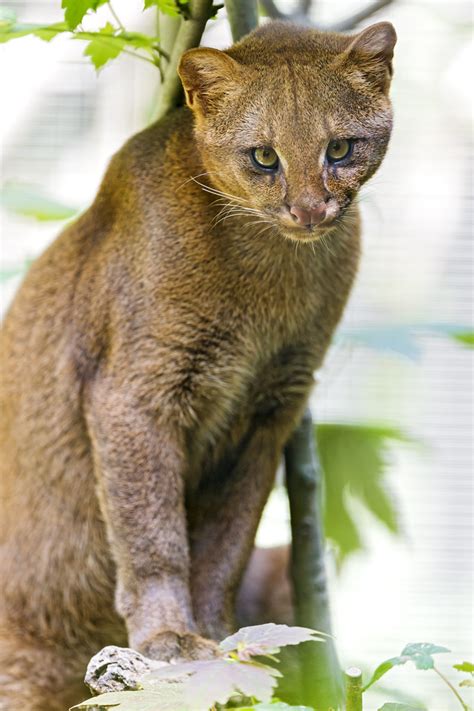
(394, 363)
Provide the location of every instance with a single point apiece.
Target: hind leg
(37, 677)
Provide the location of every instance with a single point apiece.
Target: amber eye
(265, 158)
(338, 149)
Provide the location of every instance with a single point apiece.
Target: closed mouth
(307, 233)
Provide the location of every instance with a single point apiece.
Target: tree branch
(351, 22)
(322, 679)
(301, 15)
(272, 11)
(243, 17)
(353, 677)
(188, 35)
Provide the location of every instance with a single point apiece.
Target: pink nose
(307, 218)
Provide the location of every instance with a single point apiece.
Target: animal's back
(47, 482)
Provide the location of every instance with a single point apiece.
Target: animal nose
(308, 217)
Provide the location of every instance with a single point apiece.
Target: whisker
(219, 193)
(199, 175)
(265, 229)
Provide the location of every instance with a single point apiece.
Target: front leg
(140, 465)
(226, 520)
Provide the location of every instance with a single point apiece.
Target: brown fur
(156, 360)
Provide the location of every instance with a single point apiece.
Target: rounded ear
(206, 75)
(372, 52)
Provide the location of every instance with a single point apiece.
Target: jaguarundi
(159, 354)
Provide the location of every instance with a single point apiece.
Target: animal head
(290, 122)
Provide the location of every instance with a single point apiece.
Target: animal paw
(169, 646)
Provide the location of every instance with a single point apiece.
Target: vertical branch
(243, 17)
(168, 28)
(188, 35)
(322, 679)
(353, 677)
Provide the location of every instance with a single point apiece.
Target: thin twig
(353, 20)
(453, 688)
(301, 15)
(116, 17)
(102, 38)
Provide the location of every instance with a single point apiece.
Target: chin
(305, 235)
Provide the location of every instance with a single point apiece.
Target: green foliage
(195, 686)
(75, 10)
(101, 51)
(145, 700)
(7, 17)
(402, 339)
(353, 462)
(103, 45)
(273, 706)
(9, 31)
(467, 668)
(30, 201)
(421, 654)
(169, 7)
(266, 640)
(6, 274)
(398, 707)
(465, 337)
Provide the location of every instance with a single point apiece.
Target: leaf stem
(115, 16)
(453, 689)
(140, 56)
(101, 38)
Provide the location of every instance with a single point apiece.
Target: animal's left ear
(371, 51)
(207, 75)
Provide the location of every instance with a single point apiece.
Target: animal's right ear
(207, 75)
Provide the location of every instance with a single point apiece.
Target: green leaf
(467, 682)
(104, 46)
(398, 707)
(354, 464)
(167, 697)
(274, 706)
(7, 17)
(382, 669)
(6, 274)
(124, 700)
(280, 706)
(30, 201)
(466, 338)
(49, 32)
(262, 640)
(75, 10)
(44, 32)
(168, 7)
(396, 338)
(465, 667)
(419, 653)
(217, 680)
(401, 338)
